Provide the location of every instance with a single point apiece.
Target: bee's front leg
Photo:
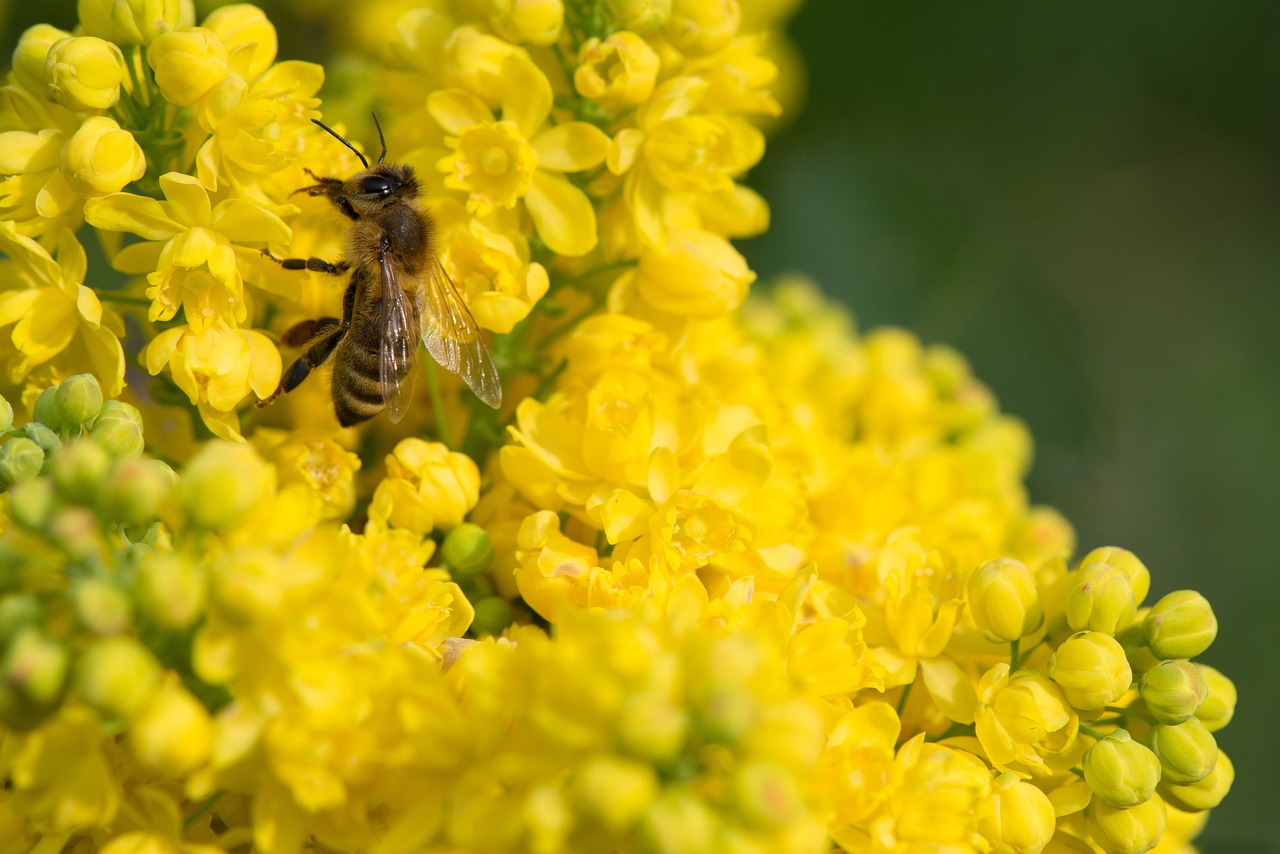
(315, 265)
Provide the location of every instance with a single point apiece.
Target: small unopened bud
(678, 822)
(1125, 561)
(74, 530)
(1017, 816)
(1204, 794)
(1003, 600)
(118, 433)
(1187, 751)
(172, 735)
(17, 610)
(614, 791)
(1173, 690)
(727, 714)
(20, 459)
(1128, 831)
(492, 616)
(85, 73)
(533, 21)
(48, 410)
(222, 484)
(639, 16)
(79, 398)
(1091, 669)
(136, 491)
(6, 415)
(1121, 771)
(36, 667)
(130, 21)
(765, 795)
(79, 470)
(467, 550)
(702, 26)
(1181, 625)
(1100, 600)
(46, 439)
(30, 55)
(101, 607)
(171, 591)
(187, 64)
(117, 676)
(1219, 707)
(31, 503)
(652, 729)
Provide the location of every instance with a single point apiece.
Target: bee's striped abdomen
(357, 392)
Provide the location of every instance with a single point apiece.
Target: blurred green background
(1084, 198)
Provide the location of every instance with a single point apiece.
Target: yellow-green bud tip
(1003, 600)
(1181, 625)
(1121, 771)
(20, 459)
(117, 676)
(1091, 669)
(79, 469)
(36, 667)
(79, 399)
(101, 607)
(467, 550)
(1187, 751)
(171, 591)
(1173, 691)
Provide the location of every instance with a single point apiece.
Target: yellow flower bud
(1187, 751)
(1125, 561)
(694, 273)
(1173, 690)
(20, 459)
(677, 823)
(85, 73)
(427, 486)
(48, 411)
(29, 57)
(1121, 771)
(651, 728)
(1127, 831)
(172, 734)
(614, 791)
(1100, 600)
(31, 502)
(1220, 705)
(222, 484)
(79, 469)
(101, 607)
(1091, 669)
(640, 16)
(136, 491)
(765, 795)
(1204, 794)
(474, 61)
(702, 26)
(101, 158)
(250, 38)
(35, 666)
(171, 591)
(119, 433)
(534, 21)
(130, 21)
(79, 397)
(188, 63)
(467, 550)
(16, 611)
(617, 72)
(1016, 818)
(1003, 600)
(1181, 625)
(46, 439)
(6, 415)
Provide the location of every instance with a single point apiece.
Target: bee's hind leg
(315, 265)
(328, 332)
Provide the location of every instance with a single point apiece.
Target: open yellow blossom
(192, 248)
(498, 163)
(55, 317)
(618, 72)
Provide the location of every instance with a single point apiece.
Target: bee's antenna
(338, 137)
(382, 139)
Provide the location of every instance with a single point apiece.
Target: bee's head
(370, 191)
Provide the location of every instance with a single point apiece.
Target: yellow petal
(188, 200)
(191, 248)
(47, 329)
(455, 109)
(624, 149)
(571, 147)
(71, 257)
(224, 425)
(526, 94)
(264, 364)
(88, 304)
(138, 258)
(14, 305)
(107, 357)
(242, 221)
(562, 213)
(135, 214)
(950, 689)
(27, 253)
(160, 350)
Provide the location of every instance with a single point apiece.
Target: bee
(398, 294)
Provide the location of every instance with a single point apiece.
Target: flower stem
(203, 807)
(437, 405)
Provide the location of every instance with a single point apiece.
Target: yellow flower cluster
(723, 575)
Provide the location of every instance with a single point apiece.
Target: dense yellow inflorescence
(724, 574)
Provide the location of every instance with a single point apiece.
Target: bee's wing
(399, 350)
(452, 337)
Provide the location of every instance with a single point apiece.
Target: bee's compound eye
(376, 185)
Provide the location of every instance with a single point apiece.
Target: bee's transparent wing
(399, 350)
(452, 337)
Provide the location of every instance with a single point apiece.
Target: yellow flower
(216, 368)
(320, 464)
(131, 21)
(250, 38)
(195, 267)
(1023, 718)
(34, 193)
(100, 158)
(534, 21)
(692, 273)
(702, 26)
(187, 64)
(427, 486)
(85, 73)
(499, 163)
(618, 72)
(57, 319)
(172, 733)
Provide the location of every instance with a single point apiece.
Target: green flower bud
(118, 433)
(79, 470)
(678, 822)
(17, 610)
(136, 491)
(115, 408)
(492, 616)
(74, 530)
(1091, 669)
(47, 409)
(130, 21)
(1181, 625)
(30, 55)
(1100, 600)
(476, 587)
(764, 795)
(1187, 751)
(1204, 794)
(222, 484)
(85, 73)
(20, 459)
(1003, 600)
(1128, 831)
(101, 607)
(467, 550)
(46, 439)
(6, 415)
(117, 676)
(79, 399)
(639, 16)
(36, 667)
(614, 791)
(1121, 771)
(652, 729)
(31, 503)
(1125, 561)
(1220, 705)
(171, 591)
(1173, 690)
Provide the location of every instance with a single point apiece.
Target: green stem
(902, 701)
(1013, 654)
(437, 405)
(123, 299)
(597, 270)
(1092, 733)
(203, 807)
